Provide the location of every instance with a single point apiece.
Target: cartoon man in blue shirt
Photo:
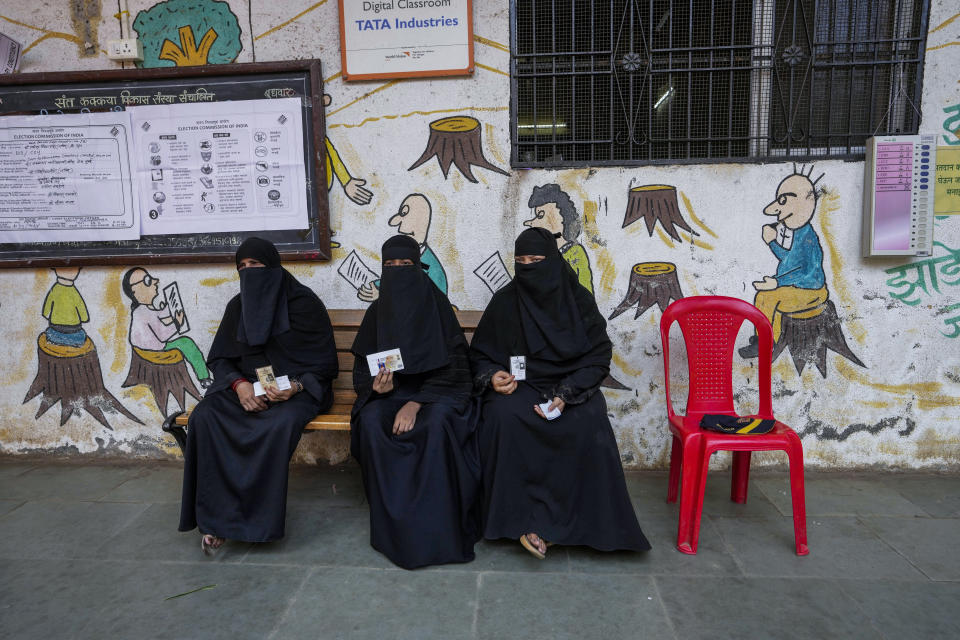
(412, 219)
(799, 284)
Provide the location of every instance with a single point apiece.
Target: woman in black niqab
(238, 444)
(559, 480)
(412, 431)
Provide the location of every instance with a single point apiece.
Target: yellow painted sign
(946, 193)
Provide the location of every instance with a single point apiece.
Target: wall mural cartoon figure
(169, 32)
(795, 299)
(456, 140)
(159, 346)
(352, 187)
(553, 210)
(412, 219)
(68, 368)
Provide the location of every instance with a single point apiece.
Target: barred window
(629, 82)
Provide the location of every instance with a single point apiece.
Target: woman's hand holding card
(503, 383)
(383, 381)
(248, 399)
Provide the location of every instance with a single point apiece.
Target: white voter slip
(550, 415)
(283, 383)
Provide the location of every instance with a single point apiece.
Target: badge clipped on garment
(518, 367)
(549, 415)
(388, 360)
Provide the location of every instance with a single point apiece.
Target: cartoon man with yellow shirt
(554, 211)
(799, 283)
(65, 310)
(352, 187)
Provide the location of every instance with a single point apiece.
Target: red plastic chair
(710, 325)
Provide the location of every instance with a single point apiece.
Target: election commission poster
(67, 178)
(223, 166)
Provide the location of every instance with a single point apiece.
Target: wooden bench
(345, 324)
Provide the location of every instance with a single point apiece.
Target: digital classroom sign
(405, 38)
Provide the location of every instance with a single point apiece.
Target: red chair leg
(795, 457)
(691, 495)
(741, 476)
(676, 462)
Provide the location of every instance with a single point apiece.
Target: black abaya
(235, 463)
(235, 466)
(422, 485)
(561, 479)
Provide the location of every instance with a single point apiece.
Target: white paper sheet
(224, 166)
(354, 271)
(66, 178)
(10, 51)
(171, 293)
(493, 273)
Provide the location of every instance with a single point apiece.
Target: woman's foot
(535, 545)
(210, 544)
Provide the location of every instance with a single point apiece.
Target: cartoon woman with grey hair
(554, 211)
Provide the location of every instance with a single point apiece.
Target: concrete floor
(92, 551)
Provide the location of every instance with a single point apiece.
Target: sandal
(210, 544)
(529, 546)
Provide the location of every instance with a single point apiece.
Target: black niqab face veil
(408, 317)
(263, 296)
(549, 315)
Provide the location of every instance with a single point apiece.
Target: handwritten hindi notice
(67, 178)
(946, 200)
(226, 166)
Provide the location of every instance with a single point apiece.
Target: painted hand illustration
(356, 192)
(368, 292)
(767, 284)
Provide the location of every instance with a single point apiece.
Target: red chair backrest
(710, 325)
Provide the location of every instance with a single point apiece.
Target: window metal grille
(627, 82)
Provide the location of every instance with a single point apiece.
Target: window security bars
(630, 82)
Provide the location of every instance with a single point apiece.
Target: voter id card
(388, 360)
(518, 367)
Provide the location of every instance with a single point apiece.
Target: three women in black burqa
(239, 445)
(413, 431)
(545, 480)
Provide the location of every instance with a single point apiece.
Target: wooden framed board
(76, 92)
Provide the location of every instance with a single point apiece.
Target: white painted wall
(899, 411)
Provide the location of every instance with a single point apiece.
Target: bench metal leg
(178, 432)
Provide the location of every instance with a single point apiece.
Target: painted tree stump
(650, 283)
(612, 383)
(72, 377)
(809, 334)
(456, 140)
(656, 203)
(165, 374)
